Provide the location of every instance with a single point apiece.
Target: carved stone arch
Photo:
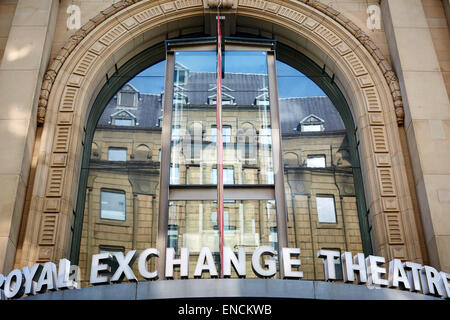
(125, 29)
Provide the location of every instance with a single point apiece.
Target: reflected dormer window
(263, 98)
(311, 123)
(180, 98)
(123, 118)
(128, 96)
(181, 74)
(226, 97)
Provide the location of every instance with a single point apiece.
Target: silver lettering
(257, 268)
(100, 271)
(229, 258)
(31, 277)
(288, 263)
(183, 262)
(205, 253)
(47, 279)
(329, 268)
(142, 264)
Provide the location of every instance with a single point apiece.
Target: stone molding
(68, 86)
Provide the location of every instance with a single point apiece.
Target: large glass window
(112, 205)
(326, 210)
(117, 154)
(318, 171)
(122, 189)
(288, 171)
(249, 211)
(246, 77)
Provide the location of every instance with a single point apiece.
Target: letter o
(17, 291)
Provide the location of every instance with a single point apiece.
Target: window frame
(117, 149)
(321, 156)
(326, 196)
(116, 191)
(231, 192)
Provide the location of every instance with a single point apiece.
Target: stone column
(21, 71)
(427, 119)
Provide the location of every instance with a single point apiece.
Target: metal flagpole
(219, 143)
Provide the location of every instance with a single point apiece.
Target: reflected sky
(291, 82)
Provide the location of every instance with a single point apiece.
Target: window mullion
(161, 239)
(280, 200)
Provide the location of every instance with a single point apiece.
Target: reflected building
(121, 206)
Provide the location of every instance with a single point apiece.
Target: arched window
(290, 163)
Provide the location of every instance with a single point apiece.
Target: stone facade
(395, 81)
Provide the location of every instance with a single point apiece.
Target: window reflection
(121, 203)
(248, 224)
(245, 107)
(318, 171)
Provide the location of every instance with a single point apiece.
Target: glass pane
(316, 160)
(326, 211)
(112, 205)
(246, 117)
(194, 224)
(115, 154)
(193, 151)
(123, 174)
(123, 122)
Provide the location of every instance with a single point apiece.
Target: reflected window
(180, 98)
(176, 133)
(270, 177)
(311, 128)
(316, 161)
(273, 238)
(226, 220)
(128, 96)
(172, 236)
(112, 205)
(326, 210)
(228, 176)
(123, 118)
(265, 135)
(123, 122)
(226, 133)
(311, 123)
(263, 98)
(117, 154)
(174, 174)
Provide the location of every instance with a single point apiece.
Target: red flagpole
(219, 142)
